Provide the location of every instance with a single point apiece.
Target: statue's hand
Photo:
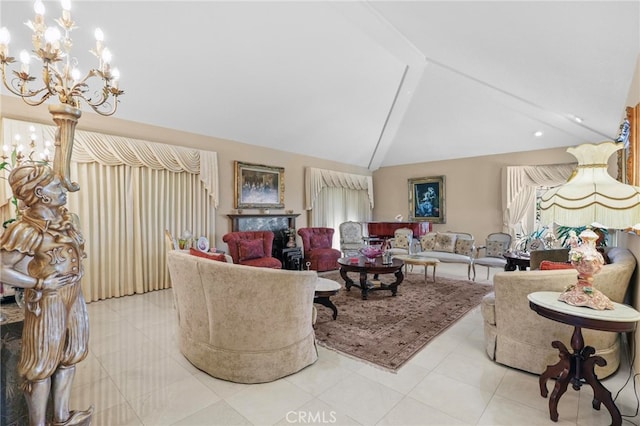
(57, 280)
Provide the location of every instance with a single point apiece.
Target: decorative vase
(588, 261)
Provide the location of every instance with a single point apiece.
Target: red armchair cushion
(320, 241)
(250, 249)
(220, 257)
(547, 265)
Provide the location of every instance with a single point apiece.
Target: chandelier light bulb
(76, 74)
(38, 7)
(106, 56)
(5, 37)
(17, 138)
(66, 4)
(98, 34)
(5, 148)
(52, 35)
(25, 58)
(47, 143)
(20, 148)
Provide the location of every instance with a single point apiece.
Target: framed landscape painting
(258, 186)
(426, 199)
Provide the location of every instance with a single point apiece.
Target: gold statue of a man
(42, 252)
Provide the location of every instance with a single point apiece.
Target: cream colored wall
(228, 152)
(473, 189)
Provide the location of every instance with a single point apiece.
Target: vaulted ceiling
(372, 84)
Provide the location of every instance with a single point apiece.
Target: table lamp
(590, 195)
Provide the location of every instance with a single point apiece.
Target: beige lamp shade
(591, 194)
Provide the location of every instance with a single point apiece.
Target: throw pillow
(320, 241)
(464, 247)
(495, 248)
(428, 241)
(548, 265)
(250, 249)
(446, 242)
(220, 257)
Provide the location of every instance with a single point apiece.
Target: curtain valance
(316, 179)
(112, 150)
(520, 189)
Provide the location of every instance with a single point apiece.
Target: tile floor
(135, 375)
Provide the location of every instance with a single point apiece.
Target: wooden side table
(326, 288)
(578, 367)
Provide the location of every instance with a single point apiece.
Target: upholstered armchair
(496, 244)
(252, 248)
(401, 241)
(351, 238)
(242, 324)
(316, 243)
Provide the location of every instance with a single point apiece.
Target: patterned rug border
(476, 292)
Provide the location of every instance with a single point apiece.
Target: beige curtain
(130, 192)
(335, 197)
(317, 179)
(519, 195)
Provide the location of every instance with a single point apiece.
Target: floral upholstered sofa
(449, 247)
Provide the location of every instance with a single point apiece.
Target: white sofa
(518, 337)
(242, 323)
(448, 247)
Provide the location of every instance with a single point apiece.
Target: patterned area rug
(388, 331)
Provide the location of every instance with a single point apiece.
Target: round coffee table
(362, 266)
(413, 259)
(326, 288)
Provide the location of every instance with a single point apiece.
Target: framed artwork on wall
(426, 199)
(629, 157)
(258, 186)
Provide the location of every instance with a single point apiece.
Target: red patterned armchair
(316, 243)
(252, 248)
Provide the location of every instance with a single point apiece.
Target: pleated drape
(130, 192)
(337, 205)
(335, 197)
(317, 179)
(520, 185)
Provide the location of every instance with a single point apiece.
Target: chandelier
(17, 153)
(61, 76)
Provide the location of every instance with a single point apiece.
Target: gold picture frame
(629, 157)
(427, 199)
(258, 186)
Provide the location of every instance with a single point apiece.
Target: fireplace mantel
(263, 221)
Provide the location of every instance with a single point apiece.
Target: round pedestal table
(578, 367)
